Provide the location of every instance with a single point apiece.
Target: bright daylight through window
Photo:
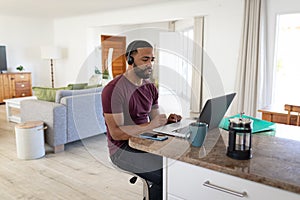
(287, 60)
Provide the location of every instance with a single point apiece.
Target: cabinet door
(171, 197)
(11, 85)
(186, 181)
(1, 89)
(6, 86)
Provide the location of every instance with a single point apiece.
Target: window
(287, 60)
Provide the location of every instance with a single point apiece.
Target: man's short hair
(134, 45)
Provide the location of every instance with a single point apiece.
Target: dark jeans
(146, 165)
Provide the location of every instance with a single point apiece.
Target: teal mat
(257, 126)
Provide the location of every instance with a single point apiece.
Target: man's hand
(173, 118)
(159, 120)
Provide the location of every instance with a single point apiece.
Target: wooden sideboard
(277, 115)
(14, 85)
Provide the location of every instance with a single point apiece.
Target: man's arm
(115, 124)
(153, 113)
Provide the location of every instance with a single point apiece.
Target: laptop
(212, 114)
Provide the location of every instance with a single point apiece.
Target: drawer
(22, 85)
(22, 77)
(23, 93)
(186, 181)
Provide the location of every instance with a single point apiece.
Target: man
(130, 106)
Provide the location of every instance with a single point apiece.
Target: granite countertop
(275, 161)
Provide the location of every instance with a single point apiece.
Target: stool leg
(145, 189)
(146, 186)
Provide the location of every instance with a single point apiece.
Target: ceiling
(66, 8)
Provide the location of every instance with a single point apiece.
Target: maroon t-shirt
(135, 102)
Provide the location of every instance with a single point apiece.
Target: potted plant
(105, 74)
(20, 68)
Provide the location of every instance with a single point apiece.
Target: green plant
(20, 68)
(97, 71)
(105, 74)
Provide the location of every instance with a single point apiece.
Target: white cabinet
(186, 181)
(171, 197)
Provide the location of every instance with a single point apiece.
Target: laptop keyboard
(179, 129)
(183, 130)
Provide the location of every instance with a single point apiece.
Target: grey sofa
(75, 115)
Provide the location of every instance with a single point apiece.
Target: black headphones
(133, 46)
(130, 59)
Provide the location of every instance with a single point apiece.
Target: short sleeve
(155, 97)
(111, 100)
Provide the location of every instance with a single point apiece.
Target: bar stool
(133, 179)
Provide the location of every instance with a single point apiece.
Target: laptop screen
(215, 109)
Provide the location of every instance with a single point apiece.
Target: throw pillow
(47, 94)
(77, 86)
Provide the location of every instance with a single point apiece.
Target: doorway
(113, 54)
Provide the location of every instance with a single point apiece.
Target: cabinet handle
(42, 128)
(22, 76)
(23, 95)
(22, 85)
(239, 194)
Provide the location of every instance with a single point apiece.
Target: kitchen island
(190, 172)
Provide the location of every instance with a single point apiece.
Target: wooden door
(118, 43)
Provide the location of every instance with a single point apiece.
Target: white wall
(23, 38)
(223, 26)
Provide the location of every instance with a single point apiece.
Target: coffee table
(15, 103)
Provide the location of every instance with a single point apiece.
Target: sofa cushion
(64, 93)
(47, 94)
(91, 86)
(84, 116)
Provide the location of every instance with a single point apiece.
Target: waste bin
(30, 140)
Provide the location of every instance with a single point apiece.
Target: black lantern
(239, 144)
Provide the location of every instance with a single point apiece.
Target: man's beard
(141, 72)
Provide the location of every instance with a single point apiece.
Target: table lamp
(51, 53)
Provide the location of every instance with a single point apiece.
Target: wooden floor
(81, 172)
